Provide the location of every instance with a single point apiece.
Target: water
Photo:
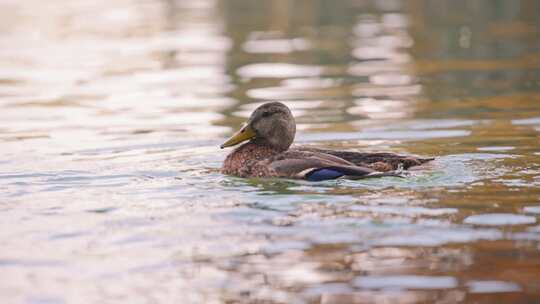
(112, 112)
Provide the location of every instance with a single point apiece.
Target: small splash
(400, 169)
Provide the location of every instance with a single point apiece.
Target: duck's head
(270, 124)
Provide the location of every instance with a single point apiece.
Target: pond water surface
(112, 113)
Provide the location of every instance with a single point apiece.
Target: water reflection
(110, 120)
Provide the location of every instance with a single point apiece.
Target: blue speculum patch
(323, 174)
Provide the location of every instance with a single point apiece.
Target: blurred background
(112, 112)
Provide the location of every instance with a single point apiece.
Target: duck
(267, 150)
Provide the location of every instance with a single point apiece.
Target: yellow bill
(245, 133)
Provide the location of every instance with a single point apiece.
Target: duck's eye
(266, 114)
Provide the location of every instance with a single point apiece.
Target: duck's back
(380, 161)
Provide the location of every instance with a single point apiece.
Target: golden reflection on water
(111, 113)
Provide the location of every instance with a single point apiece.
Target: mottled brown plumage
(270, 131)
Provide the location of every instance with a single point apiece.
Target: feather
(322, 174)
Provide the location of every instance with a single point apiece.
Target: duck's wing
(315, 166)
(380, 161)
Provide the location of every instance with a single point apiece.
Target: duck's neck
(278, 146)
(257, 150)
